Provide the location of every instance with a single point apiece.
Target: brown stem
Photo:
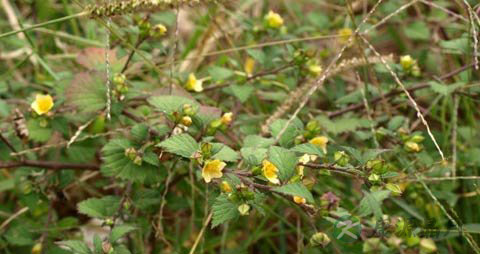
(49, 165)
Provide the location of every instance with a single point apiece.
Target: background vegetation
(202, 126)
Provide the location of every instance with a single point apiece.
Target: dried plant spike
(116, 8)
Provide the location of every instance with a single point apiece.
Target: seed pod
(20, 126)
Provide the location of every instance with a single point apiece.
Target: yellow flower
(225, 187)
(412, 147)
(249, 66)
(227, 118)
(42, 104)
(315, 70)
(407, 62)
(274, 20)
(299, 200)
(345, 34)
(212, 169)
(193, 84)
(37, 248)
(320, 141)
(304, 160)
(270, 172)
(159, 30)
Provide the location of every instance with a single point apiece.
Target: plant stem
(51, 22)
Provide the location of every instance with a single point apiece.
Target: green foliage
(100, 207)
(223, 210)
(284, 160)
(183, 145)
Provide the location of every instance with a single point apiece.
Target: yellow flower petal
(213, 169)
(320, 141)
(270, 172)
(299, 200)
(42, 104)
(249, 66)
(227, 118)
(193, 84)
(274, 20)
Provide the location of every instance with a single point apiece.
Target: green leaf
(242, 92)
(443, 89)
(76, 246)
(99, 207)
(296, 189)
(87, 92)
(258, 55)
(393, 188)
(372, 202)
(292, 131)
(417, 31)
(171, 103)
(4, 108)
(117, 164)
(225, 153)
(97, 244)
(308, 149)
(253, 156)
(284, 160)
(119, 231)
(139, 132)
(220, 73)
(223, 210)
(395, 123)
(257, 141)
(37, 132)
(183, 145)
(459, 46)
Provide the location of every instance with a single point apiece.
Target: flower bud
(138, 160)
(376, 165)
(226, 118)
(131, 153)
(412, 147)
(244, 209)
(119, 79)
(417, 138)
(341, 158)
(188, 110)
(225, 187)
(299, 200)
(319, 239)
(187, 121)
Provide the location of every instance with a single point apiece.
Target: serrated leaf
(183, 145)
(308, 149)
(139, 132)
(219, 73)
(296, 189)
(38, 133)
(223, 210)
(99, 207)
(372, 202)
(119, 231)
(171, 103)
(253, 156)
(242, 92)
(118, 165)
(288, 136)
(284, 160)
(87, 92)
(76, 246)
(393, 188)
(257, 141)
(226, 153)
(443, 89)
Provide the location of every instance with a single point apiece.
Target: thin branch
(49, 165)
